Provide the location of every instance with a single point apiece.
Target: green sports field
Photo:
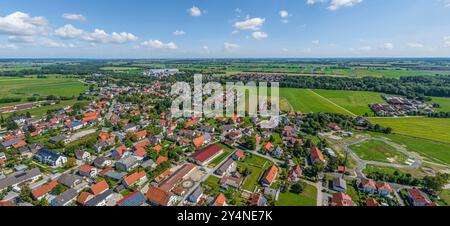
(379, 151)
(436, 129)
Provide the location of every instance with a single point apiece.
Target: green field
(119, 68)
(305, 100)
(257, 165)
(29, 86)
(307, 198)
(379, 151)
(443, 102)
(429, 128)
(433, 151)
(354, 101)
(390, 170)
(227, 152)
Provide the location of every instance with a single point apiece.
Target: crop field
(305, 100)
(437, 129)
(433, 151)
(307, 197)
(374, 150)
(27, 87)
(354, 101)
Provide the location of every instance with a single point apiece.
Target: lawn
(391, 170)
(29, 86)
(433, 151)
(379, 151)
(354, 101)
(306, 100)
(445, 195)
(258, 161)
(429, 128)
(252, 180)
(220, 158)
(443, 102)
(212, 182)
(307, 198)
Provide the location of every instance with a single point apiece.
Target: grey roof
(224, 167)
(10, 142)
(69, 180)
(18, 177)
(116, 175)
(57, 139)
(339, 182)
(99, 198)
(197, 193)
(128, 161)
(149, 164)
(100, 160)
(47, 154)
(65, 197)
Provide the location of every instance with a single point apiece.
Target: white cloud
(312, 2)
(337, 4)
(8, 47)
(68, 31)
(179, 33)
(416, 45)
(75, 17)
(156, 44)
(250, 24)
(21, 39)
(49, 43)
(235, 32)
(123, 37)
(258, 35)
(230, 46)
(284, 14)
(19, 23)
(387, 46)
(195, 11)
(316, 42)
(447, 42)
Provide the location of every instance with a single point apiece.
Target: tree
(297, 188)
(436, 183)
(25, 193)
(71, 162)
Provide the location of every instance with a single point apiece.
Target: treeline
(10, 99)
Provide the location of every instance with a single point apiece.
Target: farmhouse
(205, 155)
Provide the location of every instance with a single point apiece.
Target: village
(124, 148)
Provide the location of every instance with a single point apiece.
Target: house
(295, 173)
(161, 159)
(2, 157)
(102, 162)
(225, 167)
(20, 177)
(278, 152)
(257, 199)
(316, 155)
(149, 164)
(159, 197)
(50, 157)
(269, 176)
(69, 180)
(42, 191)
(198, 142)
(82, 155)
(87, 171)
(134, 199)
(238, 155)
(338, 184)
(196, 195)
(84, 197)
(372, 202)
(99, 188)
(234, 182)
(140, 135)
(269, 146)
(75, 126)
(100, 146)
(341, 199)
(136, 178)
(119, 152)
(106, 137)
(127, 163)
(130, 127)
(384, 188)
(13, 143)
(57, 139)
(66, 198)
(417, 198)
(100, 200)
(220, 200)
(205, 155)
(367, 186)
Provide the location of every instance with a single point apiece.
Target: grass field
(307, 198)
(257, 165)
(429, 128)
(379, 151)
(390, 170)
(433, 151)
(305, 100)
(27, 87)
(443, 102)
(354, 101)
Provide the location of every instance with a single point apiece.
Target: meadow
(308, 197)
(375, 150)
(23, 87)
(444, 103)
(437, 129)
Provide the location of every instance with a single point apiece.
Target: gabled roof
(365, 183)
(135, 177)
(220, 200)
(341, 199)
(99, 188)
(134, 199)
(44, 189)
(161, 159)
(316, 154)
(270, 174)
(383, 186)
(206, 153)
(372, 202)
(159, 196)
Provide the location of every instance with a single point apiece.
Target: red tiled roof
(140, 152)
(140, 134)
(44, 189)
(271, 174)
(84, 197)
(86, 168)
(105, 171)
(417, 195)
(239, 153)
(161, 159)
(365, 183)
(206, 153)
(341, 199)
(220, 200)
(99, 188)
(384, 187)
(316, 154)
(198, 142)
(159, 196)
(372, 202)
(134, 177)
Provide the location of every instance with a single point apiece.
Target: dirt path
(331, 102)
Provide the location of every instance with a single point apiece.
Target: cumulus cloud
(69, 31)
(75, 17)
(230, 46)
(19, 23)
(179, 33)
(284, 14)
(156, 44)
(258, 35)
(337, 4)
(195, 11)
(250, 24)
(312, 2)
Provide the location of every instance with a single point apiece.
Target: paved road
(81, 134)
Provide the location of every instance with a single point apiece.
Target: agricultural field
(379, 151)
(306, 100)
(354, 101)
(308, 197)
(437, 129)
(25, 87)
(436, 152)
(444, 103)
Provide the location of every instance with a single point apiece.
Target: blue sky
(224, 28)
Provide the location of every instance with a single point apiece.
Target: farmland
(436, 129)
(444, 103)
(375, 150)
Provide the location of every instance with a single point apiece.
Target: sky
(224, 28)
